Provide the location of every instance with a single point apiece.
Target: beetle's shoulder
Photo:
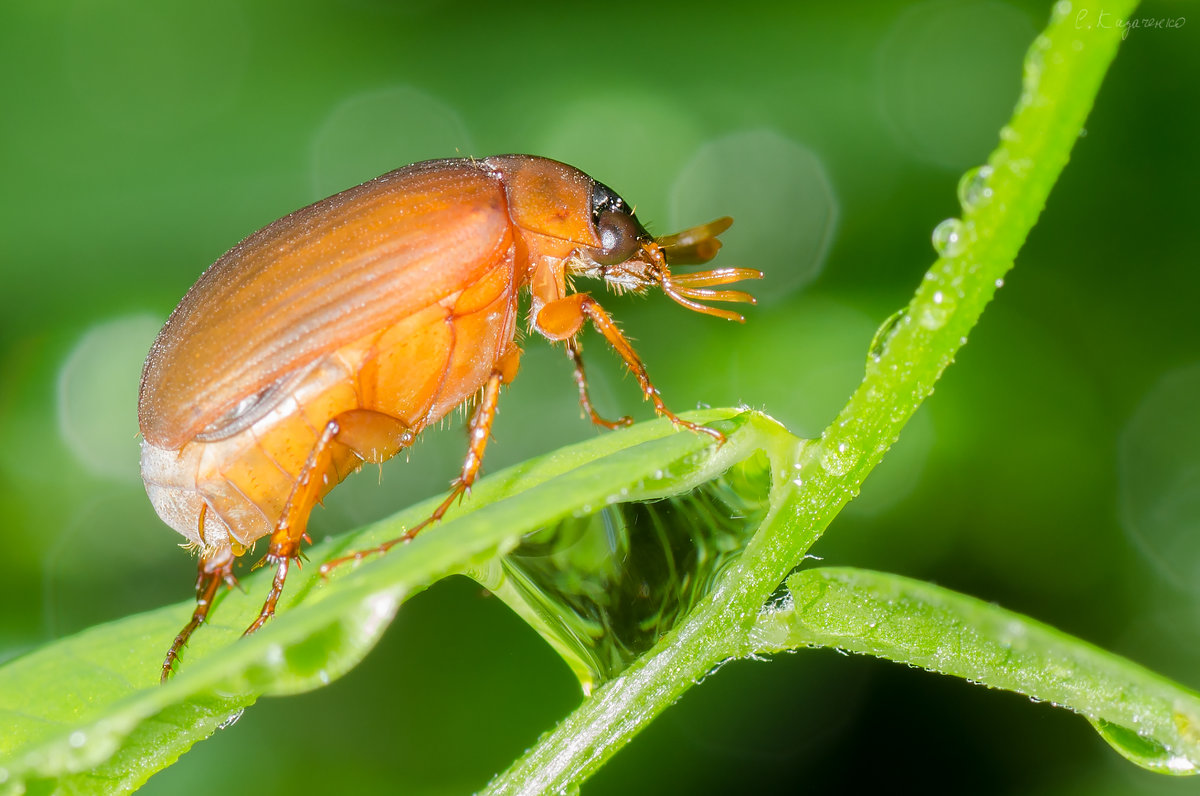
(318, 279)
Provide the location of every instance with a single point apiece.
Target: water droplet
(231, 719)
(1149, 750)
(1035, 61)
(1020, 166)
(77, 739)
(1083, 132)
(974, 189)
(999, 283)
(934, 315)
(604, 588)
(323, 676)
(949, 237)
(884, 334)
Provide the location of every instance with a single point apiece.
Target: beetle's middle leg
(562, 319)
(480, 431)
(350, 438)
(312, 482)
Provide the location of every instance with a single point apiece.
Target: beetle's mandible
(335, 335)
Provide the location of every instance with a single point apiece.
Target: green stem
(1063, 72)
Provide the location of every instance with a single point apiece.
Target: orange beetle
(335, 335)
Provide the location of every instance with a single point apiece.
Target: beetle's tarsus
(206, 591)
(268, 608)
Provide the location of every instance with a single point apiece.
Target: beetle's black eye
(605, 198)
(619, 231)
(619, 237)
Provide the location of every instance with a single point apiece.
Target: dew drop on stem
(974, 189)
(949, 237)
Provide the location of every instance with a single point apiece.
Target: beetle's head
(563, 214)
(629, 258)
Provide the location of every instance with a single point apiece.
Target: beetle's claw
(334, 563)
(699, 429)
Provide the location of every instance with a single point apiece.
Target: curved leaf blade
(1148, 718)
(87, 713)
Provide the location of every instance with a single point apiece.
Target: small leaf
(1146, 717)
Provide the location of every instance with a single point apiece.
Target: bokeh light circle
(1160, 478)
(781, 200)
(374, 132)
(633, 142)
(98, 393)
(948, 74)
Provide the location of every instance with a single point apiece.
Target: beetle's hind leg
(480, 432)
(212, 574)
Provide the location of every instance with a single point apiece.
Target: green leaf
(1146, 717)
(87, 712)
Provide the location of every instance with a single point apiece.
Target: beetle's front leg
(585, 400)
(562, 320)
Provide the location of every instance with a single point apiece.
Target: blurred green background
(1056, 471)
